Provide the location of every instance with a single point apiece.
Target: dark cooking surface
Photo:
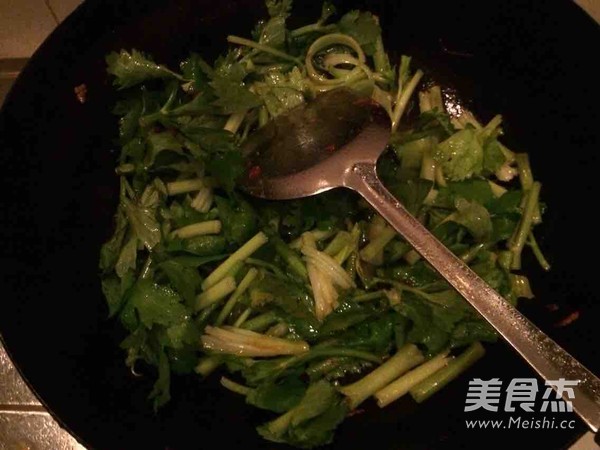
(531, 62)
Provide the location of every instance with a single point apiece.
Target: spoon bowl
(306, 150)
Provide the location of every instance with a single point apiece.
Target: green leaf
(312, 422)
(133, 68)
(238, 218)
(181, 334)
(182, 214)
(128, 317)
(374, 334)
(184, 360)
(228, 84)
(320, 430)
(328, 210)
(228, 68)
(115, 292)
(203, 246)
(508, 203)
(210, 140)
(140, 344)
(161, 141)
(449, 299)
(473, 190)
(111, 249)
(493, 156)
(470, 331)
(157, 305)
(327, 10)
(411, 193)
(411, 155)
(346, 315)
(461, 155)
(363, 27)
(279, 7)
(130, 110)
(404, 72)
(281, 92)
(504, 226)
(134, 151)
(474, 218)
(415, 275)
(277, 396)
(197, 261)
(447, 318)
(400, 331)
(196, 69)
(265, 369)
(437, 123)
(184, 279)
(287, 297)
(341, 368)
(227, 168)
(161, 390)
(127, 258)
(492, 274)
(430, 128)
(233, 96)
(111, 288)
(142, 219)
(273, 32)
(423, 330)
(201, 103)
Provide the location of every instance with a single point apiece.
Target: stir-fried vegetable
(296, 299)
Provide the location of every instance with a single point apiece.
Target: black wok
(531, 61)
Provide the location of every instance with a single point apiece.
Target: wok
(532, 62)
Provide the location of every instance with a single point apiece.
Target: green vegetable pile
(307, 307)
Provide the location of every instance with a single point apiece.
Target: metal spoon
(335, 141)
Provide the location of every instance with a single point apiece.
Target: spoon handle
(548, 359)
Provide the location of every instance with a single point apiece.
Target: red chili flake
(330, 148)
(356, 412)
(568, 320)
(254, 172)
(81, 93)
(552, 307)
